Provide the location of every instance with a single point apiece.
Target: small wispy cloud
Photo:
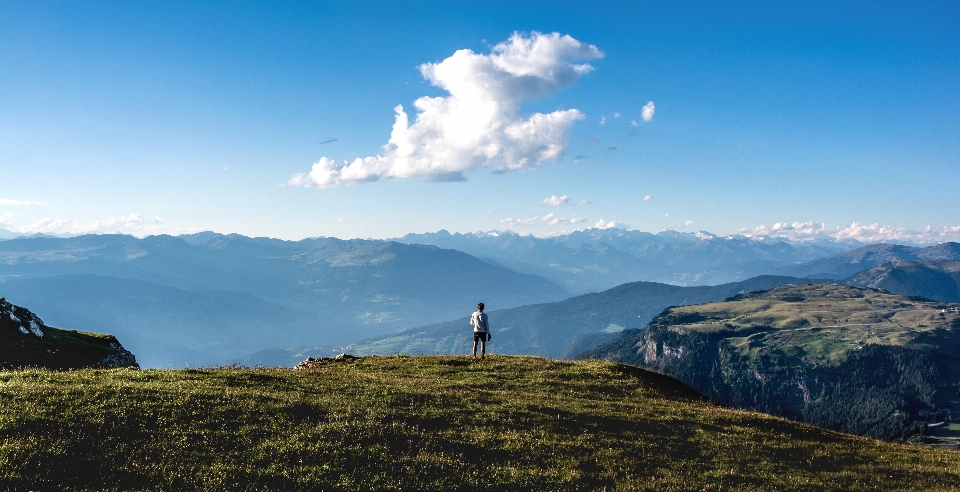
(555, 201)
(648, 198)
(616, 115)
(688, 223)
(7, 201)
(646, 114)
(511, 222)
(634, 124)
(584, 202)
(603, 120)
(133, 224)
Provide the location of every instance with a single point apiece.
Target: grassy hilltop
(26, 341)
(422, 423)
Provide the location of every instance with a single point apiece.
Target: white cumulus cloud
(872, 233)
(688, 223)
(647, 112)
(552, 220)
(648, 198)
(602, 224)
(478, 124)
(555, 201)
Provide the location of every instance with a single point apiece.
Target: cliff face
(849, 359)
(25, 341)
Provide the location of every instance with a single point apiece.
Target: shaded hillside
(846, 264)
(934, 279)
(841, 357)
(26, 341)
(321, 291)
(550, 329)
(423, 423)
(599, 259)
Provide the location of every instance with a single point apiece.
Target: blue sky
(151, 117)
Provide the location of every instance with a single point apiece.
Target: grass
(826, 320)
(422, 423)
(61, 349)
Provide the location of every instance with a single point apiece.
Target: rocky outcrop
(314, 362)
(25, 321)
(26, 341)
(122, 358)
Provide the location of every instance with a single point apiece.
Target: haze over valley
(208, 299)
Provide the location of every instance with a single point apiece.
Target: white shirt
(479, 322)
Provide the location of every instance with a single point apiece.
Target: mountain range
(206, 297)
(933, 279)
(565, 328)
(598, 259)
(845, 264)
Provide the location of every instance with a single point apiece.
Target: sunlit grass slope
(422, 423)
(822, 322)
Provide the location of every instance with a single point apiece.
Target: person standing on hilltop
(481, 331)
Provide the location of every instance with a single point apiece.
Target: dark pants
(481, 338)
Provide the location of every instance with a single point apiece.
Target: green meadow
(422, 423)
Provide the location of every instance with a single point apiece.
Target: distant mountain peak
(932, 279)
